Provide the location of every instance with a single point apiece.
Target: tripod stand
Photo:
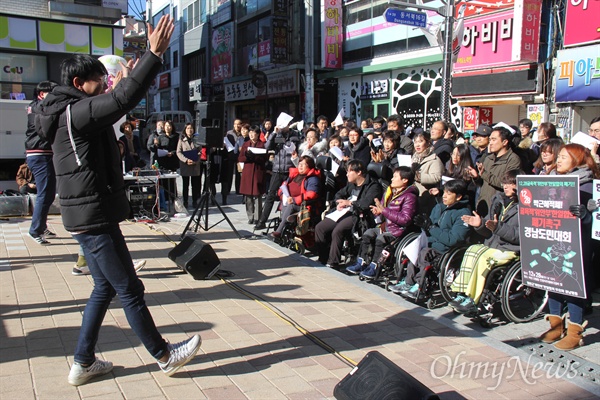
(200, 215)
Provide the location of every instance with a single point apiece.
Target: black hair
(399, 120)
(82, 66)
(406, 173)
(310, 162)
(379, 120)
(456, 186)
(122, 127)
(510, 177)
(321, 117)
(554, 145)
(183, 135)
(549, 129)
(253, 128)
(504, 133)
(461, 170)
(424, 134)
(267, 120)
(444, 124)
(357, 130)
(526, 122)
(393, 136)
(597, 119)
(357, 166)
(44, 86)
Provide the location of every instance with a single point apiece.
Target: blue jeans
(45, 180)
(575, 306)
(110, 263)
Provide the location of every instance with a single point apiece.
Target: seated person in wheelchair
(444, 228)
(303, 184)
(352, 206)
(396, 212)
(501, 229)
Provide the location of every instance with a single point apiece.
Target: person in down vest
(77, 119)
(397, 209)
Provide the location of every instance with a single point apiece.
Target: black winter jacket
(33, 143)
(88, 163)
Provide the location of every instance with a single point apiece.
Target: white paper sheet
(300, 125)
(284, 120)
(257, 150)
(404, 160)
(337, 214)
(413, 249)
(377, 142)
(334, 167)
(285, 194)
(337, 152)
(291, 148)
(503, 125)
(161, 153)
(446, 179)
(339, 120)
(584, 139)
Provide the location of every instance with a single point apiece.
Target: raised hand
(492, 224)
(160, 37)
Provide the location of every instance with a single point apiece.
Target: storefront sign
(578, 74)
(579, 22)
(332, 34)
(507, 37)
(221, 52)
(375, 89)
(470, 120)
(550, 235)
(537, 113)
(22, 68)
(120, 4)
(280, 84)
(486, 115)
(164, 80)
(279, 52)
(596, 214)
(195, 91)
(237, 91)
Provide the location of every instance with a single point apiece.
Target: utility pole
(148, 23)
(447, 70)
(309, 65)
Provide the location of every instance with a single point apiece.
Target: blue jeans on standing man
(112, 269)
(45, 180)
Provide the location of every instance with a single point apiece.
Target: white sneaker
(138, 264)
(80, 270)
(80, 375)
(180, 354)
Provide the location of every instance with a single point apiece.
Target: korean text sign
(578, 74)
(551, 257)
(332, 33)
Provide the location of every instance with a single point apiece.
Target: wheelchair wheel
(298, 246)
(399, 257)
(449, 269)
(520, 303)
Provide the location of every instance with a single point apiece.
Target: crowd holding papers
(339, 119)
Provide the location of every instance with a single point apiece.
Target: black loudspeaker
(209, 123)
(376, 378)
(196, 258)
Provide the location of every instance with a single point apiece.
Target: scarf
(418, 157)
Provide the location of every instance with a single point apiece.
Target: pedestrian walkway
(250, 350)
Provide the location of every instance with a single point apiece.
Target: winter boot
(556, 331)
(574, 337)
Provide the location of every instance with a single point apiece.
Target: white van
(179, 119)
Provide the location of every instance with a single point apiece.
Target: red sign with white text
(582, 22)
(486, 115)
(469, 119)
(332, 33)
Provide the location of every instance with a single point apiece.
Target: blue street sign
(406, 17)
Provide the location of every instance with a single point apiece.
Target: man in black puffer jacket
(77, 119)
(39, 160)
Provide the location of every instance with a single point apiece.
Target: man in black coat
(77, 119)
(39, 160)
(441, 146)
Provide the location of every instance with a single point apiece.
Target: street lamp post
(309, 65)
(447, 12)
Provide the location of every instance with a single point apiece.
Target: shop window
(197, 66)
(254, 45)
(175, 59)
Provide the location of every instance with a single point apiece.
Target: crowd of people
(387, 180)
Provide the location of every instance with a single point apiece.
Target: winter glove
(578, 210)
(422, 221)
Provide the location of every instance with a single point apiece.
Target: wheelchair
(504, 290)
(429, 292)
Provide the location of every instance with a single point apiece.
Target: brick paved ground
(248, 351)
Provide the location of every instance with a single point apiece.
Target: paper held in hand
(585, 140)
(339, 119)
(161, 153)
(284, 120)
(257, 150)
(285, 194)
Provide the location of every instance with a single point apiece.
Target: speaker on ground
(196, 258)
(377, 378)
